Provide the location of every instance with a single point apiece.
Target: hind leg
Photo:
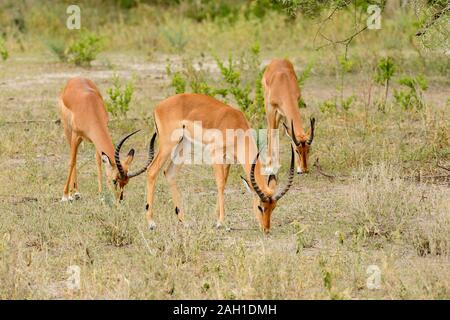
(170, 174)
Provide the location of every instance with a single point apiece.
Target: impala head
(264, 204)
(302, 146)
(117, 172)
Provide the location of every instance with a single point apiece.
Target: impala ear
(272, 181)
(106, 160)
(246, 184)
(130, 157)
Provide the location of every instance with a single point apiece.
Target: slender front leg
(74, 143)
(98, 160)
(221, 173)
(152, 175)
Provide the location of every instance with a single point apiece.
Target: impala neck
(291, 113)
(103, 143)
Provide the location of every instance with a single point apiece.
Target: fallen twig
(442, 167)
(319, 169)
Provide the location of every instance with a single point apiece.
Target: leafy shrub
(57, 46)
(412, 96)
(176, 38)
(215, 10)
(119, 98)
(328, 106)
(241, 80)
(84, 50)
(384, 72)
(3, 50)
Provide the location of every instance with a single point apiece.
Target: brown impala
(84, 117)
(177, 119)
(281, 96)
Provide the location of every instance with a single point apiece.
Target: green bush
(119, 98)
(412, 96)
(384, 72)
(84, 50)
(3, 50)
(57, 47)
(241, 79)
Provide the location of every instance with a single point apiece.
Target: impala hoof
(187, 225)
(219, 225)
(66, 198)
(77, 196)
(152, 226)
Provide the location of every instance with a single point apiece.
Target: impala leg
(152, 175)
(221, 173)
(98, 160)
(74, 143)
(73, 180)
(170, 174)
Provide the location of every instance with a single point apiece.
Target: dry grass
(326, 232)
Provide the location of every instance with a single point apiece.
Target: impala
(177, 118)
(84, 117)
(281, 96)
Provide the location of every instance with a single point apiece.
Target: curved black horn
(255, 186)
(311, 135)
(117, 154)
(281, 193)
(297, 143)
(151, 154)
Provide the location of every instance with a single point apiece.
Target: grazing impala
(177, 120)
(84, 117)
(281, 96)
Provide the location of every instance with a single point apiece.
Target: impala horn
(151, 154)
(281, 193)
(119, 164)
(292, 136)
(255, 186)
(311, 135)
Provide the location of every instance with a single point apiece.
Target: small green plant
(84, 50)
(241, 80)
(119, 97)
(3, 50)
(347, 103)
(303, 239)
(57, 47)
(384, 72)
(345, 65)
(328, 106)
(412, 96)
(176, 38)
(301, 79)
(178, 82)
(305, 74)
